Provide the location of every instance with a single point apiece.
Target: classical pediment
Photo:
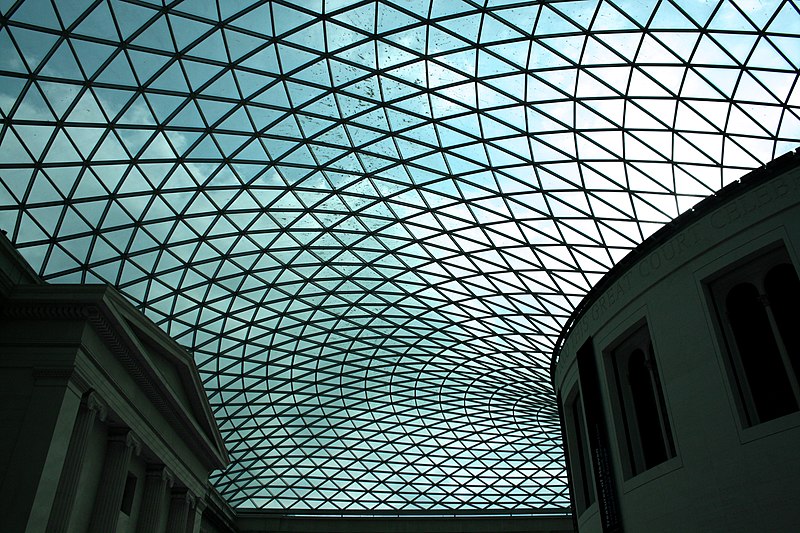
(162, 369)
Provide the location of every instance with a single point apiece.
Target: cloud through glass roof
(369, 220)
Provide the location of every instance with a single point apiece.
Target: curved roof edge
(755, 177)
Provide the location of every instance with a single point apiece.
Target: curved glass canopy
(369, 220)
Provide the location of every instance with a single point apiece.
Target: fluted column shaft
(153, 512)
(121, 446)
(197, 516)
(180, 505)
(91, 407)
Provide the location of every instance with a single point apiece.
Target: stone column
(122, 443)
(153, 512)
(91, 407)
(181, 504)
(197, 516)
(28, 488)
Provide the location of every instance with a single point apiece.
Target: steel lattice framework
(369, 220)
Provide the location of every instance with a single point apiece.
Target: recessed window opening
(756, 305)
(647, 439)
(783, 293)
(578, 449)
(128, 494)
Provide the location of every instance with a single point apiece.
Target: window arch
(783, 292)
(647, 438)
(757, 307)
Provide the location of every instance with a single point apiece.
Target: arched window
(647, 438)
(649, 417)
(783, 293)
(757, 306)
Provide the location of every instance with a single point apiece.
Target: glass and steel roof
(369, 219)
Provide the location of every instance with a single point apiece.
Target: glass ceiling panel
(369, 220)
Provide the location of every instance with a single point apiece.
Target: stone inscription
(678, 249)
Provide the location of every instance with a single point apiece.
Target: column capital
(127, 437)
(155, 470)
(182, 493)
(96, 405)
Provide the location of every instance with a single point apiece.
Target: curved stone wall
(678, 375)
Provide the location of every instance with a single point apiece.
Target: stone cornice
(93, 305)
